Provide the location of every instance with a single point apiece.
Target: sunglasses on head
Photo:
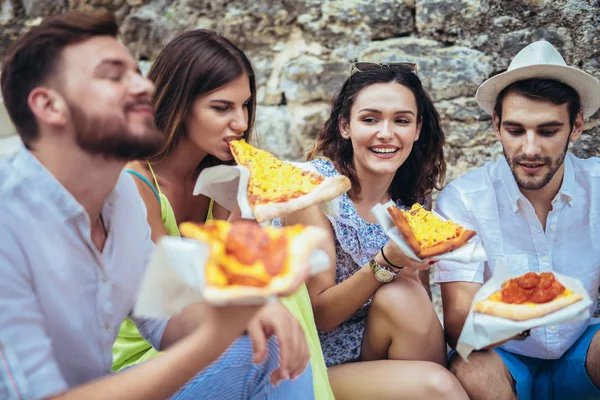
(366, 66)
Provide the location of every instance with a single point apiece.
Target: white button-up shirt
(489, 201)
(61, 299)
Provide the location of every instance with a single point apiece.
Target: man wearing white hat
(537, 209)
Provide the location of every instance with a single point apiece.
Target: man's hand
(275, 319)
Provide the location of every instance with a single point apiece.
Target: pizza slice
(277, 188)
(528, 296)
(247, 260)
(427, 234)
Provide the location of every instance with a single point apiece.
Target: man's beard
(528, 184)
(109, 136)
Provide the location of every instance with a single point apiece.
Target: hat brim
(584, 84)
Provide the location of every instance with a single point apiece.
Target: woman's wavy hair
(192, 64)
(423, 170)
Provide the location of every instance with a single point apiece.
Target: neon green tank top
(130, 348)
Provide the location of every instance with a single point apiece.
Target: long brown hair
(34, 58)
(192, 64)
(423, 170)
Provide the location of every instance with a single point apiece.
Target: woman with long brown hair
(379, 332)
(206, 96)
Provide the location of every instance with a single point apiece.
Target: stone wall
(302, 51)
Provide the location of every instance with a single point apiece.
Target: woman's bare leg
(393, 379)
(402, 325)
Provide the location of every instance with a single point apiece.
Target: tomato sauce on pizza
(532, 288)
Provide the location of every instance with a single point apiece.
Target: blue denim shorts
(564, 378)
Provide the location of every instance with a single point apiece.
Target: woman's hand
(399, 259)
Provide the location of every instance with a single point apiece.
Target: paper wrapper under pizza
(482, 330)
(228, 186)
(471, 252)
(175, 276)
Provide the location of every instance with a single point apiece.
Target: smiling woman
(380, 334)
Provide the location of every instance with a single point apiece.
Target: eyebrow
(373, 110)
(115, 62)
(549, 124)
(228, 102)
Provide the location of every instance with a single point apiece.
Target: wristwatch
(382, 273)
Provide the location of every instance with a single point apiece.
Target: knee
(442, 384)
(476, 375)
(405, 303)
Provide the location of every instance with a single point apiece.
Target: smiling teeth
(382, 150)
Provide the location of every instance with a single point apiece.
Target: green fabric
(130, 348)
(300, 306)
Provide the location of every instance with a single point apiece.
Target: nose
(385, 133)
(239, 122)
(139, 85)
(532, 144)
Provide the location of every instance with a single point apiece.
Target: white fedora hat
(541, 60)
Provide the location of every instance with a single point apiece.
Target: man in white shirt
(537, 209)
(74, 241)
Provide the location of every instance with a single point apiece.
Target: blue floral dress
(356, 242)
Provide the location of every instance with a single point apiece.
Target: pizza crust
(300, 249)
(329, 189)
(403, 226)
(521, 312)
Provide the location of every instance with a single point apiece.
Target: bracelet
(388, 261)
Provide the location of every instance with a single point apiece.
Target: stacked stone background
(302, 52)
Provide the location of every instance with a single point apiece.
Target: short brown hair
(33, 59)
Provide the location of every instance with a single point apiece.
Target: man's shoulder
(477, 180)
(587, 167)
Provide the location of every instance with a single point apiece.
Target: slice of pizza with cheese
(247, 260)
(426, 233)
(277, 188)
(528, 296)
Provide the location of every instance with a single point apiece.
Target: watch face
(383, 275)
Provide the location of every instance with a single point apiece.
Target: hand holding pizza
(394, 257)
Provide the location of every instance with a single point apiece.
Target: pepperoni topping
(246, 241)
(249, 243)
(528, 281)
(533, 288)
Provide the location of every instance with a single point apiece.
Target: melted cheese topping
(223, 269)
(428, 228)
(272, 180)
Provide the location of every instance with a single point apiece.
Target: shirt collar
(568, 184)
(52, 191)
(514, 193)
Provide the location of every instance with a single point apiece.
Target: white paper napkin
(228, 186)
(175, 279)
(471, 252)
(482, 330)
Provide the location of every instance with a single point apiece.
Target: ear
(578, 126)
(419, 126)
(48, 106)
(344, 129)
(496, 125)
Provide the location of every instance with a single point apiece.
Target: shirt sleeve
(151, 329)
(27, 365)
(450, 205)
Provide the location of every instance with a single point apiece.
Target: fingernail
(431, 262)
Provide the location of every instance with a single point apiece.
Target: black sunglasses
(366, 66)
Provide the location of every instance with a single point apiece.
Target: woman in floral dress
(380, 335)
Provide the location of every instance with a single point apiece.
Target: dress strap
(146, 181)
(153, 176)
